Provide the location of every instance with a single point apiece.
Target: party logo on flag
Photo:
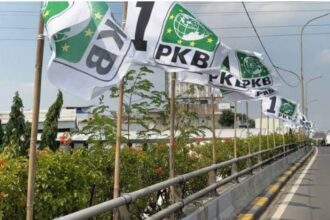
(287, 108)
(251, 66)
(185, 40)
(90, 51)
(72, 42)
(183, 28)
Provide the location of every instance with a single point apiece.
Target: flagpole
(283, 132)
(35, 118)
(116, 182)
(234, 166)
(260, 132)
(274, 138)
(283, 135)
(212, 174)
(268, 132)
(248, 131)
(172, 137)
(213, 131)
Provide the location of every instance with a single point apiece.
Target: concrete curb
(258, 206)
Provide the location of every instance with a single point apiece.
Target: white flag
(232, 88)
(166, 34)
(90, 51)
(281, 108)
(250, 68)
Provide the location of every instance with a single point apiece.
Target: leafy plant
(16, 135)
(140, 99)
(49, 133)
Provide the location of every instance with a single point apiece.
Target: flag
(232, 88)
(250, 69)
(90, 51)
(304, 123)
(165, 33)
(279, 107)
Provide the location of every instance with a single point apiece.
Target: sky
(278, 23)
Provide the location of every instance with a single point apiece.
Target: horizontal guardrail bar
(130, 197)
(182, 203)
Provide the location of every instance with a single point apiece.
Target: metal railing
(128, 198)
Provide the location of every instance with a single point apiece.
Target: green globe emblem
(287, 109)
(188, 28)
(253, 66)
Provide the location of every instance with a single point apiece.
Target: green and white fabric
(90, 51)
(251, 70)
(279, 107)
(165, 33)
(232, 88)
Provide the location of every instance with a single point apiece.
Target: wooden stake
(35, 120)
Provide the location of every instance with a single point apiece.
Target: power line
(277, 35)
(222, 37)
(259, 11)
(215, 28)
(220, 13)
(270, 26)
(264, 48)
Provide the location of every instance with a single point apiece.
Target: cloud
(324, 57)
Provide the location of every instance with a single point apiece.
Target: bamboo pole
(116, 182)
(172, 137)
(283, 132)
(268, 144)
(283, 136)
(212, 174)
(260, 132)
(234, 166)
(274, 138)
(35, 119)
(248, 131)
(214, 160)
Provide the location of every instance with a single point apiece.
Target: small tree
(184, 118)
(139, 99)
(49, 133)
(227, 118)
(15, 128)
(101, 129)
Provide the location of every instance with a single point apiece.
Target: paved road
(307, 194)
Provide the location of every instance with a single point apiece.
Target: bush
(69, 181)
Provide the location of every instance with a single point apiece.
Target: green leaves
(49, 133)
(16, 130)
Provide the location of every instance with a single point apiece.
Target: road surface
(307, 194)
